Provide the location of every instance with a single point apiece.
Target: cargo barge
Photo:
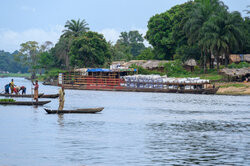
(126, 80)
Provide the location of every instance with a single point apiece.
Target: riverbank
(233, 88)
(24, 75)
(15, 74)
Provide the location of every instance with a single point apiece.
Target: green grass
(234, 85)
(15, 75)
(7, 100)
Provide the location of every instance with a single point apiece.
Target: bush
(174, 68)
(53, 73)
(240, 65)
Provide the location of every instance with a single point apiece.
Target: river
(134, 129)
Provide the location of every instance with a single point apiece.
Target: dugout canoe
(50, 96)
(24, 103)
(78, 111)
(20, 95)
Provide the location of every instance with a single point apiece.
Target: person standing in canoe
(12, 86)
(61, 98)
(36, 86)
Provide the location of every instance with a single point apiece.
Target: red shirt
(36, 86)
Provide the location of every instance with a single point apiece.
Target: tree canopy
(75, 28)
(89, 50)
(131, 42)
(165, 32)
(8, 63)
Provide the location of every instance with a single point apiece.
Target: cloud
(11, 40)
(110, 34)
(28, 9)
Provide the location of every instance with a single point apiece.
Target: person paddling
(61, 98)
(36, 86)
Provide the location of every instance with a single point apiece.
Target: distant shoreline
(15, 75)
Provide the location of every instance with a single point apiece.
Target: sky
(33, 20)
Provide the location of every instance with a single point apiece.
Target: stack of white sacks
(157, 81)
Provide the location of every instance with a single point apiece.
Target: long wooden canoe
(50, 96)
(78, 111)
(20, 95)
(24, 103)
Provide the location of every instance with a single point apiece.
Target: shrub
(240, 65)
(174, 68)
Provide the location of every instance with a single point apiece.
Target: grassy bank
(15, 75)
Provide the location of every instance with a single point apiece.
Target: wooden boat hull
(50, 96)
(24, 103)
(78, 111)
(26, 95)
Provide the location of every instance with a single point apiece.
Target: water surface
(137, 129)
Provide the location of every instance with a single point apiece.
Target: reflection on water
(134, 129)
(60, 120)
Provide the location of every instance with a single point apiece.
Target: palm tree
(75, 28)
(222, 33)
(203, 10)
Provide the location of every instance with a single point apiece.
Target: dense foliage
(89, 50)
(165, 32)
(8, 63)
(128, 46)
(199, 29)
(240, 65)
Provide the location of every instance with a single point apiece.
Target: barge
(126, 80)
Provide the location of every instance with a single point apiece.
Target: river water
(134, 129)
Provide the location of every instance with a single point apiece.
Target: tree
(46, 60)
(222, 33)
(8, 63)
(120, 52)
(89, 50)
(165, 32)
(29, 55)
(75, 28)
(61, 51)
(46, 46)
(246, 32)
(186, 52)
(131, 42)
(146, 54)
(158, 35)
(201, 13)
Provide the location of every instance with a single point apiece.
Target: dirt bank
(233, 88)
